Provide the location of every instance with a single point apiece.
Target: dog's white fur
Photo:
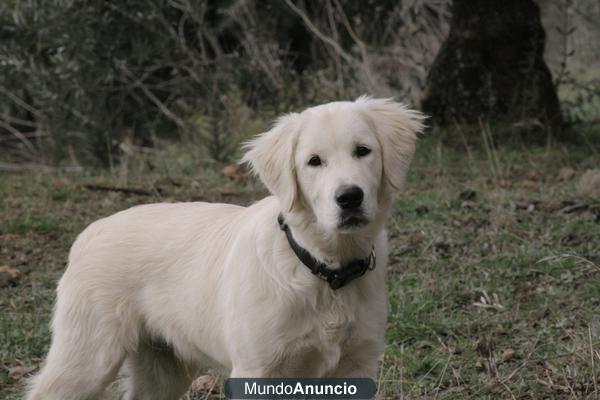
(163, 290)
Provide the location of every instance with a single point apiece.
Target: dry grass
(494, 277)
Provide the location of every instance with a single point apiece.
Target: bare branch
(366, 65)
(335, 45)
(19, 101)
(162, 107)
(34, 135)
(19, 121)
(26, 142)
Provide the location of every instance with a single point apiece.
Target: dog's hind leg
(84, 358)
(153, 372)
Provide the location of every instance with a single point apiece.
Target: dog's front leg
(351, 369)
(359, 362)
(248, 372)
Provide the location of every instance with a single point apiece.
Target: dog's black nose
(349, 197)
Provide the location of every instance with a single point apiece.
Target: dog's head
(340, 161)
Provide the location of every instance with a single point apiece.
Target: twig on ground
(592, 360)
(136, 191)
(508, 377)
(31, 167)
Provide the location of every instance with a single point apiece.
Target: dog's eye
(314, 161)
(361, 151)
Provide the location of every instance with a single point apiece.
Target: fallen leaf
(8, 275)
(508, 354)
(501, 331)
(521, 205)
(468, 204)
(505, 183)
(235, 172)
(550, 367)
(530, 184)
(535, 175)
(415, 238)
(8, 237)
(205, 384)
(565, 174)
(19, 371)
(61, 183)
(588, 185)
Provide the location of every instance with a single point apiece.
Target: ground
(494, 277)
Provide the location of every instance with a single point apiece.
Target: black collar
(335, 277)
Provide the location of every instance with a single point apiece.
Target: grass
(494, 288)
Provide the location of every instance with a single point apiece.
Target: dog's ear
(396, 128)
(271, 156)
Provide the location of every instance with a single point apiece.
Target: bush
(79, 79)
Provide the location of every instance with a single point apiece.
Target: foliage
(580, 92)
(79, 78)
(87, 82)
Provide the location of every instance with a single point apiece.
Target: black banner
(309, 388)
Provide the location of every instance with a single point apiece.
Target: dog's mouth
(352, 219)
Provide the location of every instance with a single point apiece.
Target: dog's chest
(335, 322)
(324, 341)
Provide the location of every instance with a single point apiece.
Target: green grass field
(494, 274)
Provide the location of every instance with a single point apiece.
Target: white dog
(162, 290)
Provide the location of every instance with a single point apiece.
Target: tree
(491, 67)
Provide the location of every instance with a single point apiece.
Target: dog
(291, 286)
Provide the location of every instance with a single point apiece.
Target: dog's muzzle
(349, 198)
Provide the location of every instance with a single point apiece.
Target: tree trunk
(491, 67)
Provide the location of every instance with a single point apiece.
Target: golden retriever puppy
(292, 286)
